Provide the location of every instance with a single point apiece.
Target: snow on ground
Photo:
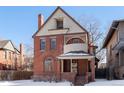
(104, 82)
(98, 82)
(32, 83)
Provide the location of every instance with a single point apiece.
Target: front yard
(98, 82)
(32, 83)
(104, 82)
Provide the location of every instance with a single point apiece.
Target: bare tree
(28, 59)
(92, 25)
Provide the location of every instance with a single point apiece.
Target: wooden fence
(15, 75)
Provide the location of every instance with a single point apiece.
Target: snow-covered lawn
(32, 83)
(104, 82)
(98, 82)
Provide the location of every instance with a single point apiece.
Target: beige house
(10, 57)
(114, 44)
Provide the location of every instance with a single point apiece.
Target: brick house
(10, 57)
(62, 50)
(114, 44)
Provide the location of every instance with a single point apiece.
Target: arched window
(75, 40)
(48, 65)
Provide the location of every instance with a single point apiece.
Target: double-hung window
(53, 43)
(42, 44)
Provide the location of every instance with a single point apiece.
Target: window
(42, 44)
(53, 43)
(48, 65)
(75, 40)
(59, 24)
(5, 54)
(9, 55)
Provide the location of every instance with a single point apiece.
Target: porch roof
(75, 55)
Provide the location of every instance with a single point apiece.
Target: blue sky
(20, 23)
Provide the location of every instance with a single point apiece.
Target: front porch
(77, 68)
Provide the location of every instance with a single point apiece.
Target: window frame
(55, 46)
(48, 65)
(10, 55)
(44, 40)
(59, 24)
(5, 54)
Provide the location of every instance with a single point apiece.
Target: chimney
(21, 48)
(21, 55)
(40, 21)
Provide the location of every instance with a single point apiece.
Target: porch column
(92, 66)
(71, 66)
(61, 61)
(87, 72)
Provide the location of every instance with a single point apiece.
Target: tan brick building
(62, 50)
(114, 44)
(10, 57)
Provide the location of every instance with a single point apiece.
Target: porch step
(79, 81)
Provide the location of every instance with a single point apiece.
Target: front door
(80, 68)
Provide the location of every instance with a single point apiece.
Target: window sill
(53, 49)
(42, 51)
(58, 29)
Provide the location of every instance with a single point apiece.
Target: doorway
(66, 66)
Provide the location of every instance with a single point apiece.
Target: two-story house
(10, 57)
(62, 50)
(114, 44)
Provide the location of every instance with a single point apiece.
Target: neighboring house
(114, 44)
(101, 65)
(28, 63)
(62, 50)
(10, 57)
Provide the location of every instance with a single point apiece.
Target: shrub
(15, 75)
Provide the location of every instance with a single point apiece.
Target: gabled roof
(3, 43)
(66, 14)
(111, 31)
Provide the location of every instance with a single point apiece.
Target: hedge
(15, 75)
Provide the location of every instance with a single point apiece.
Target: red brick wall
(83, 66)
(70, 76)
(39, 56)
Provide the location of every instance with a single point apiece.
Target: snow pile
(32, 83)
(104, 82)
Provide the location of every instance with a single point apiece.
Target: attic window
(59, 24)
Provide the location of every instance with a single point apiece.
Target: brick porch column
(59, 69)
(86, 76)
(92, 65)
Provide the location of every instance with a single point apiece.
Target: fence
(100, 73)
(15, 75)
